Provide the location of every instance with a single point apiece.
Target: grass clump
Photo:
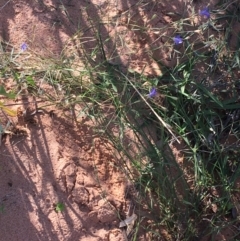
(180, 155)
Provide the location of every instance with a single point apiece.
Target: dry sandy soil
(52, 160)
(49, 160)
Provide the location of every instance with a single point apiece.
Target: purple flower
(23, 47)
(205, 12)
(152, 93)
(178, 40)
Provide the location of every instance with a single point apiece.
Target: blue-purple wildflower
(178, 40)
(152, 93)
(205, 12)
(23, 47)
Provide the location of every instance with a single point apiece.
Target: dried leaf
(7, 110)
(214, 207)
(128, 221)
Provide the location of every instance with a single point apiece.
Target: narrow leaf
(9, 95)
(10, 112)
(7, 110)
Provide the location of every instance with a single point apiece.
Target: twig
(24, 103)
(5, 4)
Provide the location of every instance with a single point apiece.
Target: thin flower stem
(168, 127)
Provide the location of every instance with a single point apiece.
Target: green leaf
(2, 91)
(9, 95)
(210, 95)
(59, 207)
(114, 87)
(30, 81)
(16, 76)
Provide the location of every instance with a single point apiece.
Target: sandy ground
(52, 161)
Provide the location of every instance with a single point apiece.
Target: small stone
(116, 235)
(107, 213)
(80, 195)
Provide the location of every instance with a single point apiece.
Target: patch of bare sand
(55, 162)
